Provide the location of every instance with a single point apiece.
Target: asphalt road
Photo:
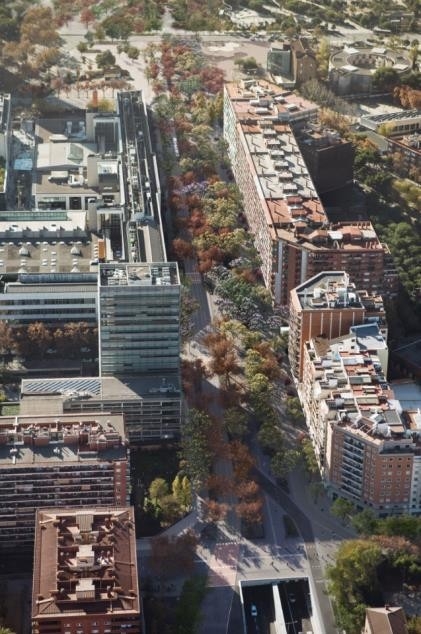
(303, 524)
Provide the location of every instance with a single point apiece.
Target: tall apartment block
(85, 577)
(291, 230)
(329, 157)
(72, 459)
(367, 448)
(326, 306)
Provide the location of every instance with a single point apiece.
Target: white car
(253, 610)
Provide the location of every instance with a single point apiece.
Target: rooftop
(387, 620)
(36, 439)
(332, 289)
(139, 274)
(85, 563)
(392, 116)
(294, 211)
(62, 246)
(56, 392)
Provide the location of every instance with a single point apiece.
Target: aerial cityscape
(210, 317)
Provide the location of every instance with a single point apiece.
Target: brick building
(291, 230)
(328, 305)
(368, 448)
(72, 459)
(85, 572)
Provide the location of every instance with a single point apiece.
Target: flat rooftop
(22, 253)
(392, 116)
(55, 392)
(36, 439)
(328, 289)
(139, 274)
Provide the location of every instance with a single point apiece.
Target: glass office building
(139, 318)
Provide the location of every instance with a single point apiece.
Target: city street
(231, 558)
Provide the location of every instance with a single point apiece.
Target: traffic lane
(304, 526)
(259, 608)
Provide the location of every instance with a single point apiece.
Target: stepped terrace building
(291, 230)
(72, 459)
(85, 572)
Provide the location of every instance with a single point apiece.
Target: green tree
(105, 59)
(158, 489)
(235, 422)
(365, 522)
(342, 508)
(195, 451)
(309, 456)
(132, 52)
(353, 582)
(322, 58)
(385, 79)
(270, 438)
(316, 489)
(406, 526)
(188, 607)
(284, 461)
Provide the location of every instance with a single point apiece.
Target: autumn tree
(192, 375)
(215, 511)
(7, 339)
(250, 512)
(242, 460)
(224, 361)
(39, 338)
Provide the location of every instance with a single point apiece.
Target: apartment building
(367, 447)
(327, 306)
(405, 151)
(329, 157)
(85, 578)
(291, 230)
(72, 459)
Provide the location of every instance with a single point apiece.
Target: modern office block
(151, 403)
(139, 318)
(85, 577)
